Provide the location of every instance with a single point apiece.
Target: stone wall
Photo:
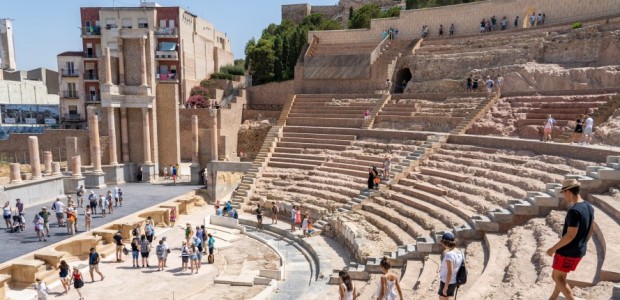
(185, 129)
(296, 12)
(258, 115)
(229, 122)
(15, 149)
(168, 124)
(271, 93)
(132, 52)
(466, 17)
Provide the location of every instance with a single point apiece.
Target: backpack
(461, 274)
(159, 250)
(134, 232)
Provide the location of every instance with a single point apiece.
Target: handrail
(313, 43)
(225, 103)
(375, 53)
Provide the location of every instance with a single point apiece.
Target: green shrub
(221, 76)
(206, 83)
(577, 25)
(233, 70)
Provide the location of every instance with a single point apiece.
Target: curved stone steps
(409, 278)
(424, 286)
(607, 217)
(408, 225)
(496, 263)
(320, 136)
(320, 194)
(343, 190)
(298, 156)
(418, 216)
(315, 141)
(301, 161)
(398, 235)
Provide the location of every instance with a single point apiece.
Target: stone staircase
(480, 111)
(384, 67)
(285, 110)
(373, 113)
(601, 115)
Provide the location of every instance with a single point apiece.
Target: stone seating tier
(343, 49)
(413, 220)
(607, 215)
(394, 231)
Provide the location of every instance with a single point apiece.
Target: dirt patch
(251, 136)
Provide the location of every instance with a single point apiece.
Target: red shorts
(564, 263)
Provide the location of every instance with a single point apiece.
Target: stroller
(19, 223)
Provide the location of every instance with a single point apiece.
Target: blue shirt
(93, 258)
(211, 242)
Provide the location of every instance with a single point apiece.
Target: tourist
(578, 129)
(75, 224)
(489, 85)
(533, 19)
(173, 216)
(63, 273)
(184, 256)
(108, 199)
(298, 217)
(59, 208)
(93, 264)
(493, 23)
(377, 180)
(42, 289)
(388, 282)
(79, 191)
(78, 281)
(543, 18)
(120, 197)
(71, 220)
(116, 189)
(587, 131)
(516, 21)
(450, 264)
(483, 24)
(20, 207)
(548, 130)
(274, 213)
(347, 289)
(440, 30)
(145, 249)
(310, 230)
(371, 178)
(135, 251)
(468, 84)
(570, 249)
(366, 115)
(487, 26)
(425, 35)
(189, 232)
(45, 216)
(227, 207)
(504, 23)
(173, 170)
(149, 231)
(6, 214)
(39, 228)
(293, 214)
(387, 165)
(499, 82)
(193, 256)
(540, 19)
(118, 239)
(92, 199)
(165, 171)
(474, 85)
(162, 253)
(452, 29)
(304, 226)
(102, 205)
(388, 85)
(163, 240)
(259, 217)
(197, 239)
(211, 245)
(87, 218)
(69, 201)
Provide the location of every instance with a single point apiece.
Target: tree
(350, 12)
(285, 58)
(262, 58)
(277, 66)
(361, 17)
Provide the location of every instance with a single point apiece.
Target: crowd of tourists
(474, 84)
(582, 134)
(66, 214)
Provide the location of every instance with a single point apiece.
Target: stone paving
(137, 196)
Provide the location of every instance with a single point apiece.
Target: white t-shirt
(456, 257)
(58, 207)
(304, 224)
(293, 213)
(550, 123)
(589, 122)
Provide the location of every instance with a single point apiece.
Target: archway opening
(402, 78)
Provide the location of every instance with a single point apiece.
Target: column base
(195, 175)
(148, 173)
(130, 171)
(71, 184)
(114, 174)
(94, 180)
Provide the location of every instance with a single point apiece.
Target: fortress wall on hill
(466, 17)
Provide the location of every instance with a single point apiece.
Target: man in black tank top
(577, 231)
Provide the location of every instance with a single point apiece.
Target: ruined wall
(185, 129)
(15, 149)
(168, 124)
(295, 12)
(271, 93)
(132, 52)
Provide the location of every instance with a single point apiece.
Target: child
(103, 204)
(173, 216)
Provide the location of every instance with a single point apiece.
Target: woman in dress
(298, 217)
(78, 281)
(371, 179)
(347, 289)
(64, 275)
(389, 284)
(6, 214)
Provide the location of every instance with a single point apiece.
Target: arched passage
(402, 78)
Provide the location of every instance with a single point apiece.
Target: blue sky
(44, 28)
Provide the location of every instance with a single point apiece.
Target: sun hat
(448, 236)
(569, 184)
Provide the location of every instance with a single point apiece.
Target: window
(143, 23)
(110, 23)
(70, 68)
(127, 23)
(73, 110)
(71, 88)
(162, 23)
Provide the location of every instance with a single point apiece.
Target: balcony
(91, 75)
(91, 32)
(166, 55)
(70, 95)
(88, 56)
(171, 78)
(70, 72)
(72, 118)
(166, 32)
(92, 98)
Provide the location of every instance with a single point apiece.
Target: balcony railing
(167, 77)
(90, 55)
(91, 75)
(166, 55)
(166, 31)
(70, 72)
(94, 31)
(72, 118)
(70, 94)
(92, 98)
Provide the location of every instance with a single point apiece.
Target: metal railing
(70, 94)
(90, 55)
(72, 117)
(91, 31)
(166, 31)
(92, 98)
(91, 75)
(225, 103)
(70, 72)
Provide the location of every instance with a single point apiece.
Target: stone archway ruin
(403, 76)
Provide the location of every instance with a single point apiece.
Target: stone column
(121, 63)
(112, 136)
(56, 169)
(15, 173)
(72, 146)
(76, 166)
(214, 139)
(124, 135)
(146, 135)
(95, 145)
(108, 66)
(195, 145)
(35, 161)
(143, 61)
(47, 162)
